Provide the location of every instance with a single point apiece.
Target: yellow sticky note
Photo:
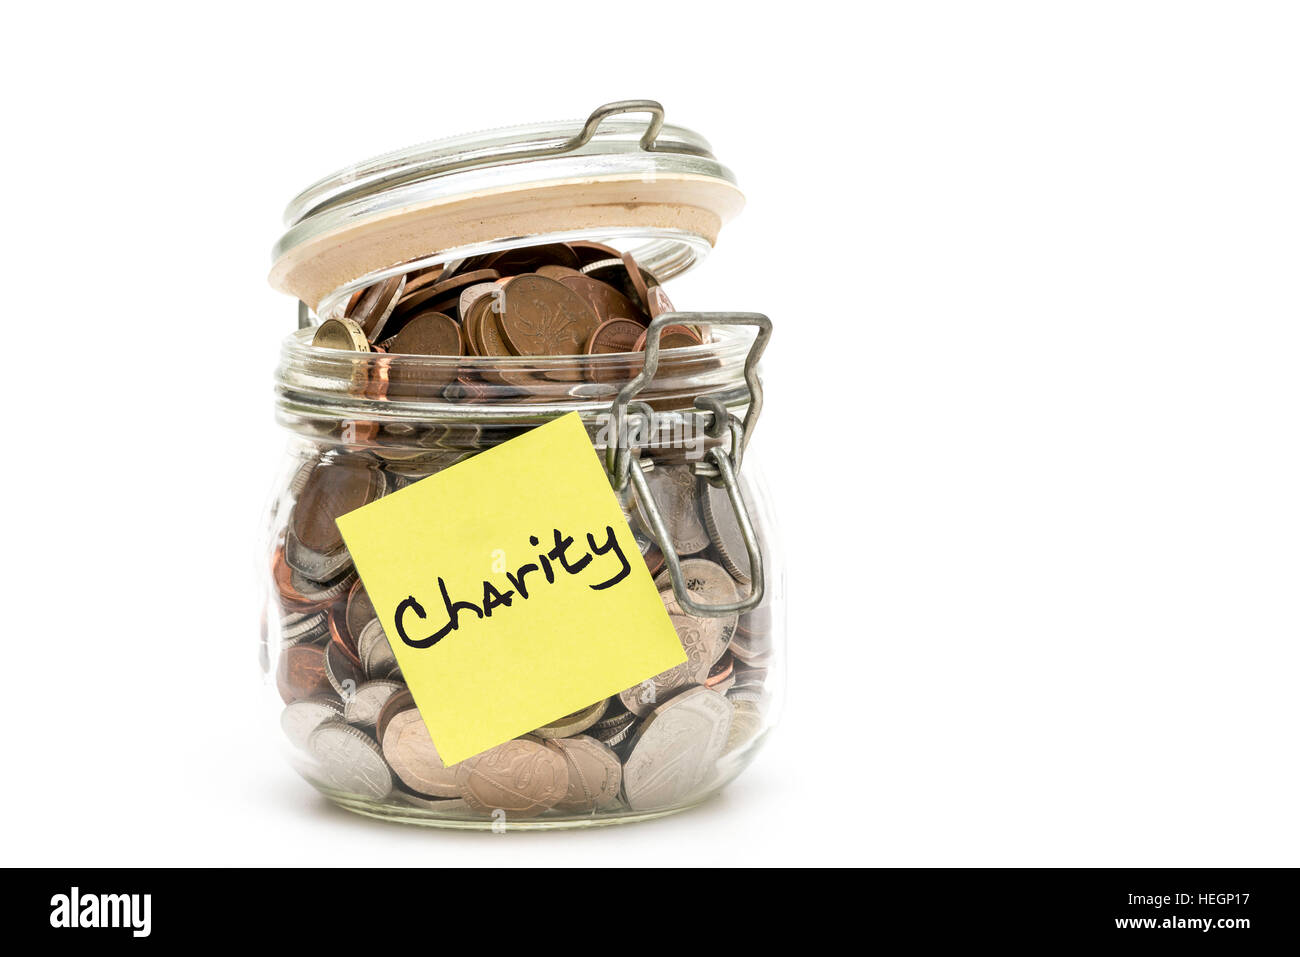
(511, 589)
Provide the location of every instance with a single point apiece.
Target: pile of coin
(662, 744)
(559, 299)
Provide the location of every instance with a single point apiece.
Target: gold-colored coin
(342, 334)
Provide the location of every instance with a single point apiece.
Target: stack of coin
(560, 299)
(665, 743)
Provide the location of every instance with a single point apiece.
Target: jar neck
(400, 402)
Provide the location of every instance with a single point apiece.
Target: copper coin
(557, 272)
(595, 773)
(427, 334)
(530, 258)
(338, 630)
(375, 304)
(613, 336)
(333, 489)
(673, 337)
(402, 701)
(638, 280)
(301, 673)
(721, 671)
(588, 252)
(413, 756)
(282, 574)
(488, 329)
(521, 777)
(541, 317)
(659, 302)
(470, 327)
(607, 302)
(654, 559)
(470, 295)
(443, 288)
(359, 611)
(487, 326)
(415, 281)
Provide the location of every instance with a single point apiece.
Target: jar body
(342, 712)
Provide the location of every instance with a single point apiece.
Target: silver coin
(415, 759)
(707, 583)
(747, 674)
(431, 804)
(595, 774)
(471, 294)
(319, 592)
(343, 675)
(310, 564)
(674, 491)
(376, 654)
(746, 723)
(350, 760)
(303, 629)
(616, 717)
(617, 731)
(602, 264)
(362, 708)
(675, 750)
(748, 653)
(752, 642)
(299, 480)
(299, 719)
(724, 529)
(703, 640)
(422, 464)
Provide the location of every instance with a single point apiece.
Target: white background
(1031, 420)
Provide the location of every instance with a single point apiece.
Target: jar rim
(315, 385)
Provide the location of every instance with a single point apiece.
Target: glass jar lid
(655, 188)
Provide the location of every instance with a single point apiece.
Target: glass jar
(671, 424)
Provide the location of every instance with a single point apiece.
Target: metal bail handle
(617, 454)
(623, 465)
(580, 139)
(651, 511)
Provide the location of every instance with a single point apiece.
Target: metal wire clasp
(722, 464)
(582, 137)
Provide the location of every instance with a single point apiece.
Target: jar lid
(603, 179)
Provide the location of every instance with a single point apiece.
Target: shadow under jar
(670, 417)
